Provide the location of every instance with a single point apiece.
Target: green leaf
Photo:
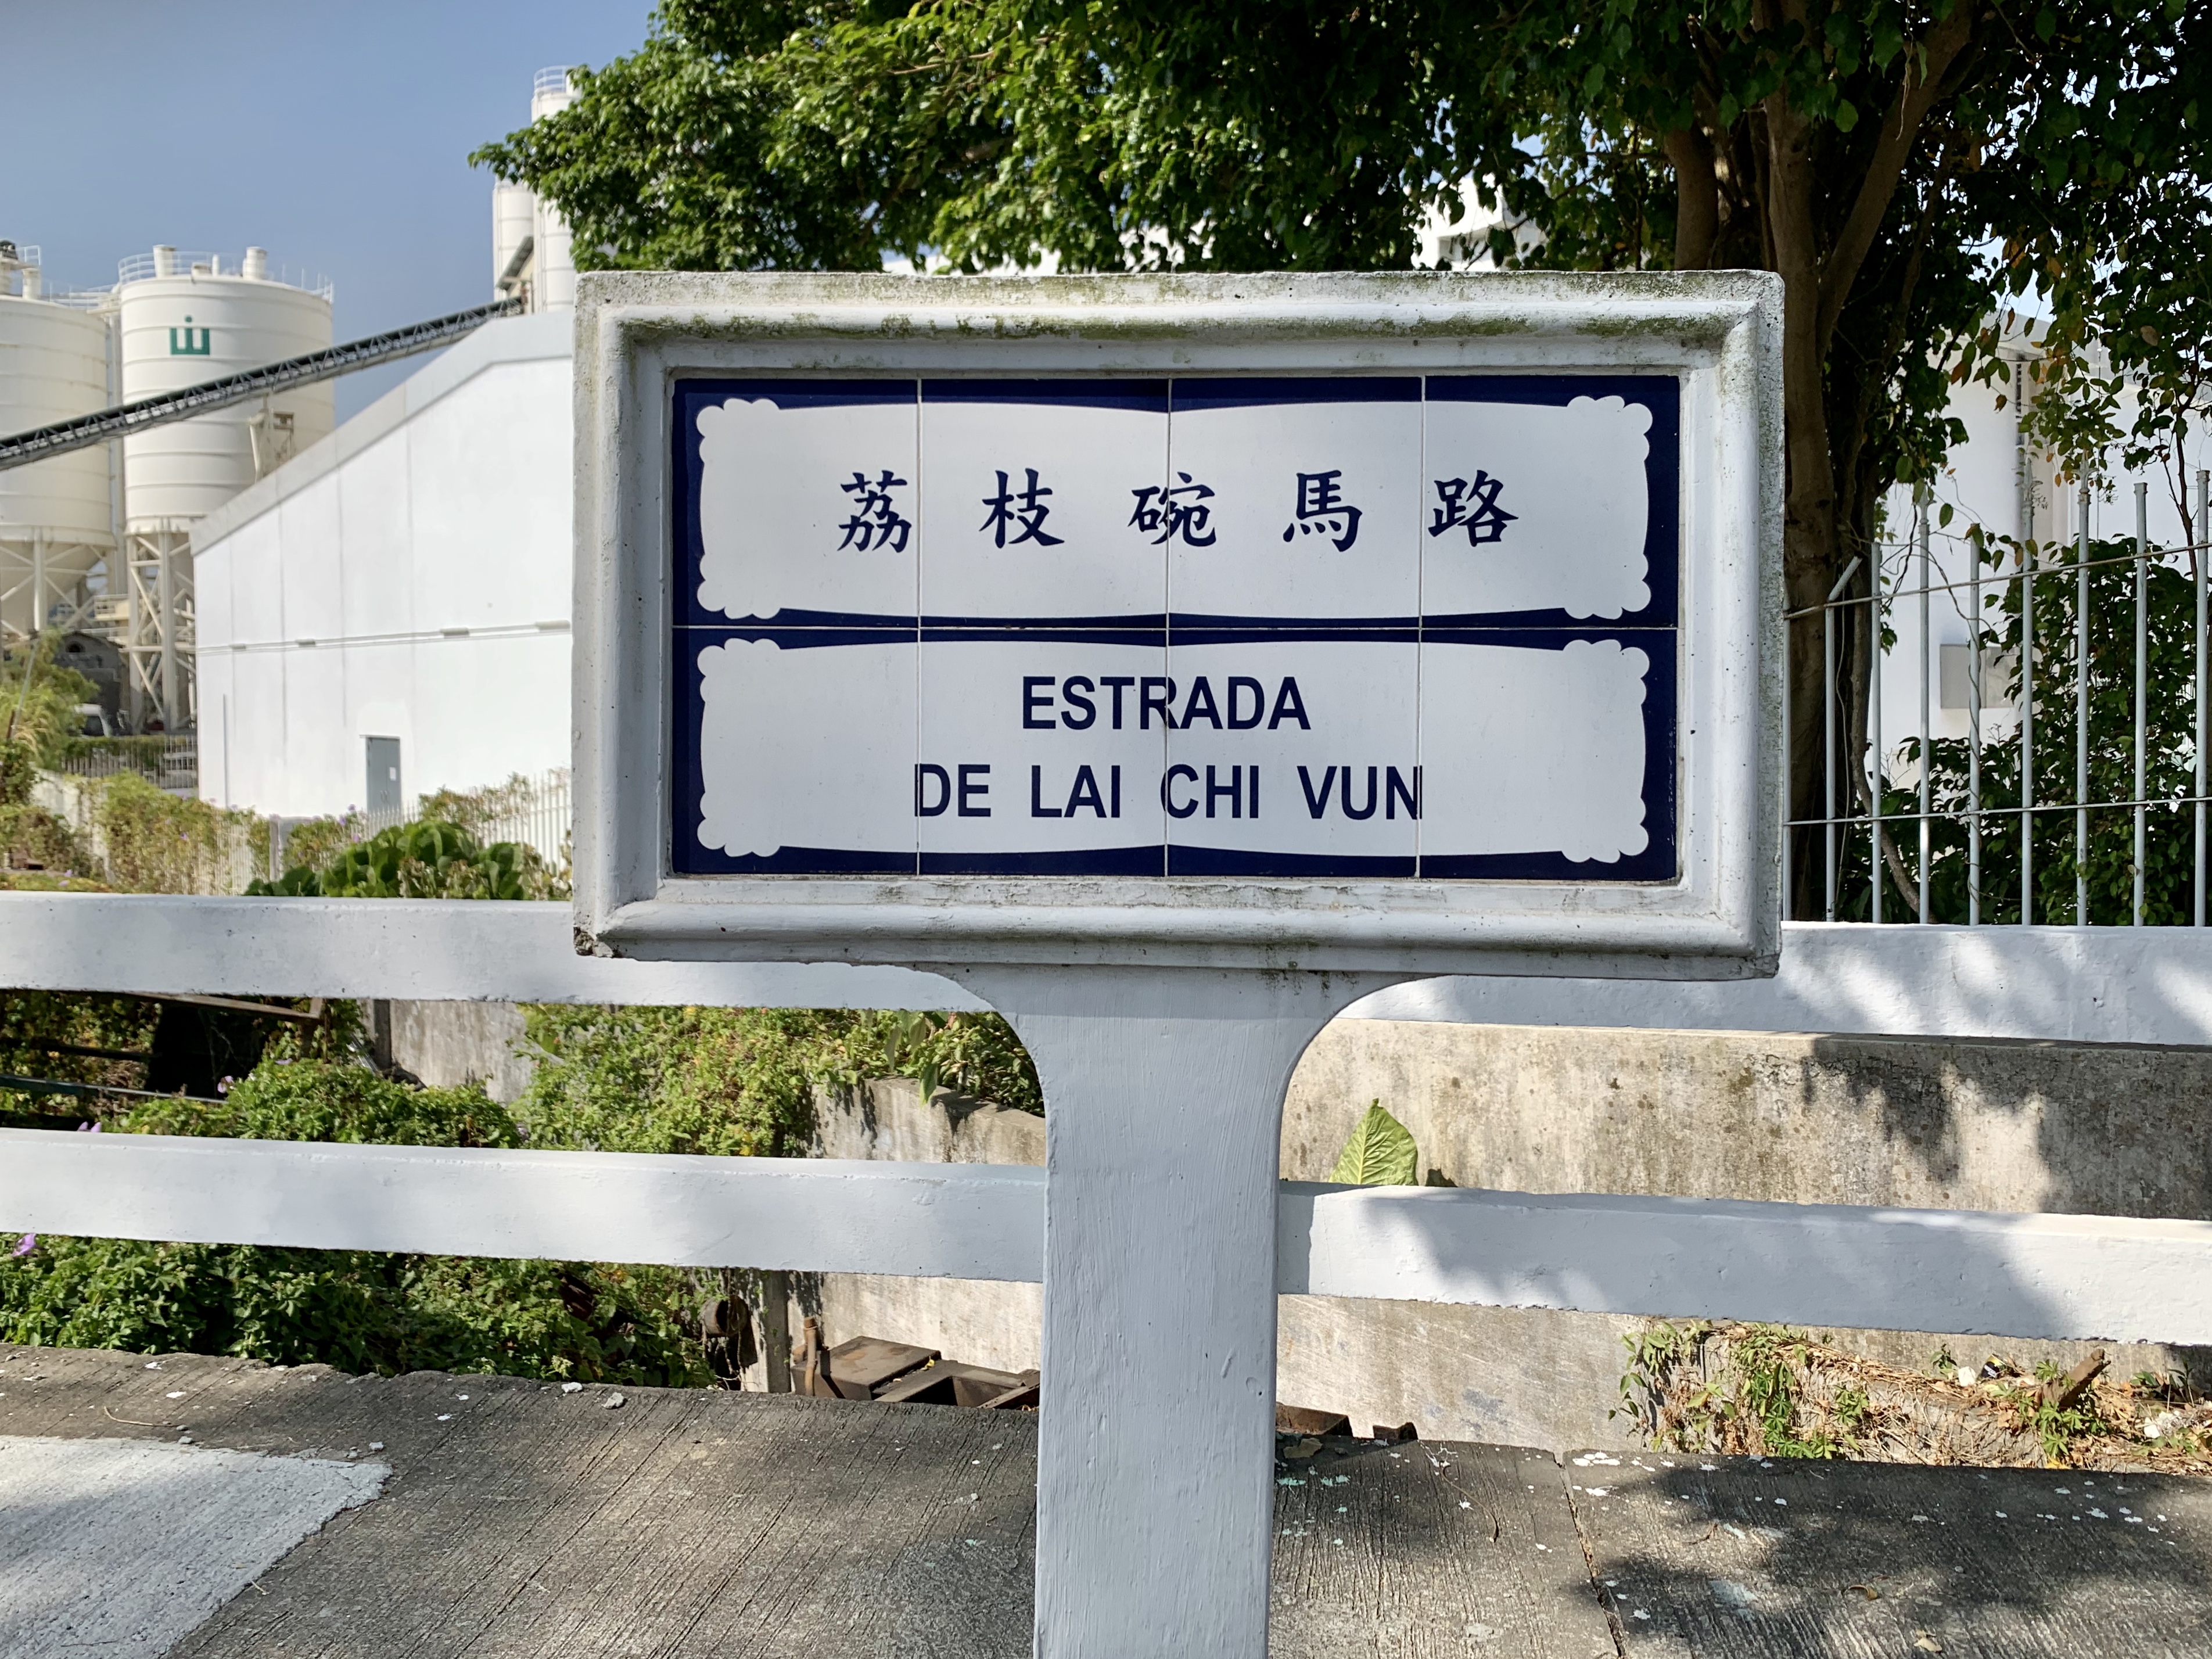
(1380, 1153)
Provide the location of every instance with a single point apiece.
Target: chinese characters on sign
(1177, 512)
(1473, 505)
(1322, 507)
(1173, 511)
(1201, 628)
(1027, 505)
(875, 522)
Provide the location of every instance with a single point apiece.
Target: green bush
(740, 1081)
(319, 1100)
(428, 859)
(355, 1310)
(32, 837)
(158, 842)
(726, 1081)
(38, 722)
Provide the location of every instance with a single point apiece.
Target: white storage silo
(185, 318)
(514, 221)
(55, 517)
(555, 261)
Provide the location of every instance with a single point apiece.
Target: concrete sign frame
(1715, 335)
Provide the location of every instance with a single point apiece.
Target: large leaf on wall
(1379, 1154)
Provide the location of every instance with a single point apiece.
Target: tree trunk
(1809, 544)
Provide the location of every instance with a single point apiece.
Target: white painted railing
(2017, 1275)
(822, 1215)
(2072, 984)
(1157, 1226)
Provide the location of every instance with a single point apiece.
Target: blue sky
(334, 135)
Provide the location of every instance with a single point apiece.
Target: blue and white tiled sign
(1332, 627)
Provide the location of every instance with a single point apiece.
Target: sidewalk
(497, 1516)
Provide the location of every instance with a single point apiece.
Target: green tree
(1894, 161)
(2127, 353)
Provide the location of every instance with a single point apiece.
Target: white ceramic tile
(809, 747)
(1305, 748)
(1313, 507)
(1043, 747)
(808, 505)
(1027, 502)
(1529, 507)
(1531, 751)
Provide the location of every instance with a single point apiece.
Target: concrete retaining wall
(2082, 1128)
(449, 1043)
(983, 1322)
(1955, 1124)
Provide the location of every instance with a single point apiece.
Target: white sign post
(1174, 660)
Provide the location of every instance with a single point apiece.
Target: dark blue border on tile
(1064, 632)
(1143, 395)
(1194, 392)
(687, 787)
(1186, 624)
(967, 628)
(1297, 630)
(1663, 473)
(1099, 861)
(1660, 859)
(690, 396)
(1223, 861)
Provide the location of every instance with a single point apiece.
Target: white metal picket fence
(537, 810)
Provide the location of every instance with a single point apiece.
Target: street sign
(1416, 621)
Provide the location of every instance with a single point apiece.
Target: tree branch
(1900, 129)
(1696, 198)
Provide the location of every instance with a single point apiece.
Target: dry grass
(1761, 1390)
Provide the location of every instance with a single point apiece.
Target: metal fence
(171, 763)
(535, 809)
(539, 811)
(2052, 768)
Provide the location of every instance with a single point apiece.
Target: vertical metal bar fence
(1926, 769)
(2024, 678)
(1974, 734)
(2081, 714)
(1828, 813)
(2143, 682)
(1875, 753)
(2202, 538)
(1953, 773)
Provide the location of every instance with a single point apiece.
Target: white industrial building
(400, 592)
(387, 613)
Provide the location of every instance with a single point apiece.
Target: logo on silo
(189, 342)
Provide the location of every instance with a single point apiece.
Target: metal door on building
(384, 775)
